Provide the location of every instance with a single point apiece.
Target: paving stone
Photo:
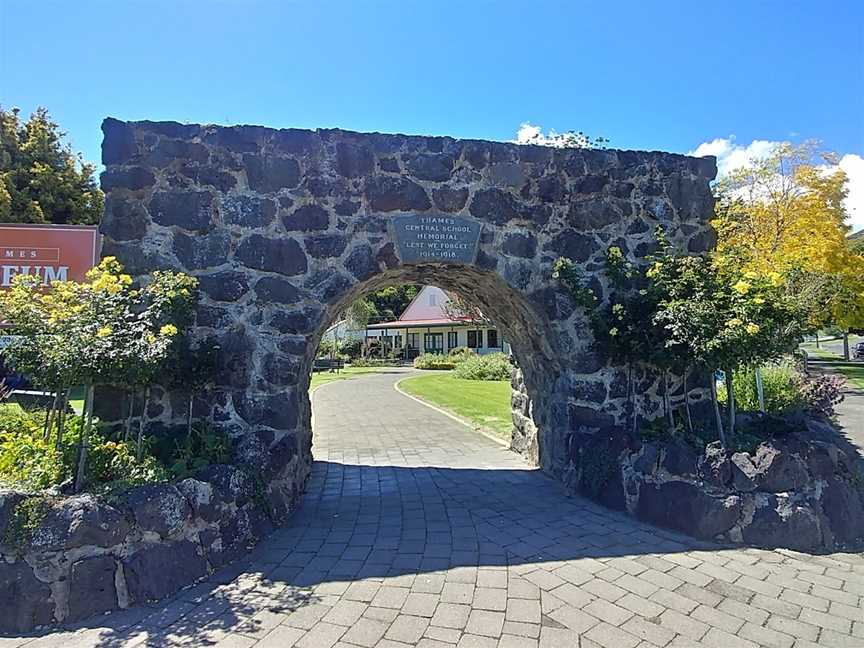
(476, 641)
(365, 632)
(530, 630)
(523, 611)
(717, 619)
(825, 621)
(407, 629)
(832, 639)
(653, 633)
(716, 638)
(490, 599)
(391, 597)
(574, 619)
(345, 612)
(609, 636)
(420, 604)
(492, 578)
(323, 635)
(558, 638)
(641, 606)
(484, 622)
(677, 622)
(281, 637)
(514, 641)
(457, 593)
(451, 615)
(766, 636)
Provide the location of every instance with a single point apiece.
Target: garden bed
(67, 558)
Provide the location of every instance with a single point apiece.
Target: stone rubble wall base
(800, 492)
(89, 556)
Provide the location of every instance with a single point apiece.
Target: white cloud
(853, 165)
(731, 155)
(529, 134)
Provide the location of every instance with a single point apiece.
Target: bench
(327, 364)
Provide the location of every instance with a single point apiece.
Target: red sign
(53, 252)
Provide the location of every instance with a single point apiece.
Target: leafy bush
(786, 390)
(433, 361)
(27, 460)
(781, 385)
(206, 445)
(114, 463)
(823, 393)
(375, 362)
(458, 354)
(494, 366)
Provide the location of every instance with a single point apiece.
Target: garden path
(416, 531)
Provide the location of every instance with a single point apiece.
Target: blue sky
(649, 75)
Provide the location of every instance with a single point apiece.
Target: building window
(413, 340)
(433, 342)
(475, 339)
(433, 299)
(452, 339)
(492, 338)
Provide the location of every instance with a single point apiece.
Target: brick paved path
(418, 532)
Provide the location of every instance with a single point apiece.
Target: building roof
(428, 308)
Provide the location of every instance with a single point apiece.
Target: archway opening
(508, 324)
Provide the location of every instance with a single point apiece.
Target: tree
(390, 302)
(104, 331)
(41, 179)
(784, 214)
(458, 308)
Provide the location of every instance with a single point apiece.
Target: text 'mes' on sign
(53, 252)
(450, 239)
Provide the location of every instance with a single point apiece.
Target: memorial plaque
(449, 239)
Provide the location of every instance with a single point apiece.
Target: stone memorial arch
(283, 228)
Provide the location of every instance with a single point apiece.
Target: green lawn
(323, 377)
(486, 403)
(853, 371)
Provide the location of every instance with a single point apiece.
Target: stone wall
(800, 491)
(67, 558)
(283, 228)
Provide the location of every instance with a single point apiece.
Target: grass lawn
(486, 403)
(323, 377)
(853, 371)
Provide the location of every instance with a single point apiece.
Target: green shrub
(206, 445)
(458, 354)
(433, 361)
(114, 463)
(30, 462)
(781, 385)
(375, 362)
(27, 460)
(494, 366)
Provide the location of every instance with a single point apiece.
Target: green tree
(41, 179)
(390, 302)
(104, 331)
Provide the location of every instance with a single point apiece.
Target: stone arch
(281, 227)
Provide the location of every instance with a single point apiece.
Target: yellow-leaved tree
(783, 216)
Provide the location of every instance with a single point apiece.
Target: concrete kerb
(448, 414)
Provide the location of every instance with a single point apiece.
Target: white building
(427, 327)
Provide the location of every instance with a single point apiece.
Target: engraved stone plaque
(449, 239)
